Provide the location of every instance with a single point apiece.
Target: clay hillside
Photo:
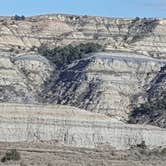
(81, 84)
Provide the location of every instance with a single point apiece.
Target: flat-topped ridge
(128, 56)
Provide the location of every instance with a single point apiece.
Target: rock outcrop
(72, 126)
(104, 83)
(21, 77)
(153, 110)
(139, 35)
(102, 87)
(107, 83)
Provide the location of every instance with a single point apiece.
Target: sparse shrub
(85, 16)
(149, 111)
(139, 28)
(137, 18)
(163, 152)
(11, 49)
(19, 47)
(16, 51)
(153, 111)
(4, 23)
(11, 155)
(142, 145)
(71, 17)
(33, 48)
(62, 56)
(19, 18)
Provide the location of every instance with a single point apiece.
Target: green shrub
(142, 145)
(62, 56)
(11, 155)
(163, 152)
(19, 18)
(151, 112)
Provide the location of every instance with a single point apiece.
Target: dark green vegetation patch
(62, 56)
(11, 155)
(154, 110)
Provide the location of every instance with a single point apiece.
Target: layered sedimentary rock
(21, 77)
(104, 83)
(108, 83)
(140, 35)
(13, 85)
(35, 68)
(153, 110)
(157, 88)
(72, 126)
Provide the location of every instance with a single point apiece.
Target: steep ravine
(104, 83)
(107, 83)
(153, 111)
(88, 102)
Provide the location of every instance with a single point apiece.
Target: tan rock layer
(71, 126)
(108, 83)
(140, 35)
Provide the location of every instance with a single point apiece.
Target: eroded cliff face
(153, 110)
(138, 35)
(107, 83)
(104, 83)
(73, 127)
(21, 77)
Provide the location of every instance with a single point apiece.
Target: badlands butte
(105, 104)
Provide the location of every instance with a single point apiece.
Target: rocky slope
(73, 127)
(153, 111)
(104, 83)
(102, 87)
(139, 35)
(107, 83)
(21, 76)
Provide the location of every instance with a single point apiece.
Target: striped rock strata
(104, 83)
(72, 126)
(21, 77)
(107, 83)
(140, 35)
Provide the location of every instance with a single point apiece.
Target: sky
(110, 8)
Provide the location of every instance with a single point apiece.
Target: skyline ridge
(105, 8)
